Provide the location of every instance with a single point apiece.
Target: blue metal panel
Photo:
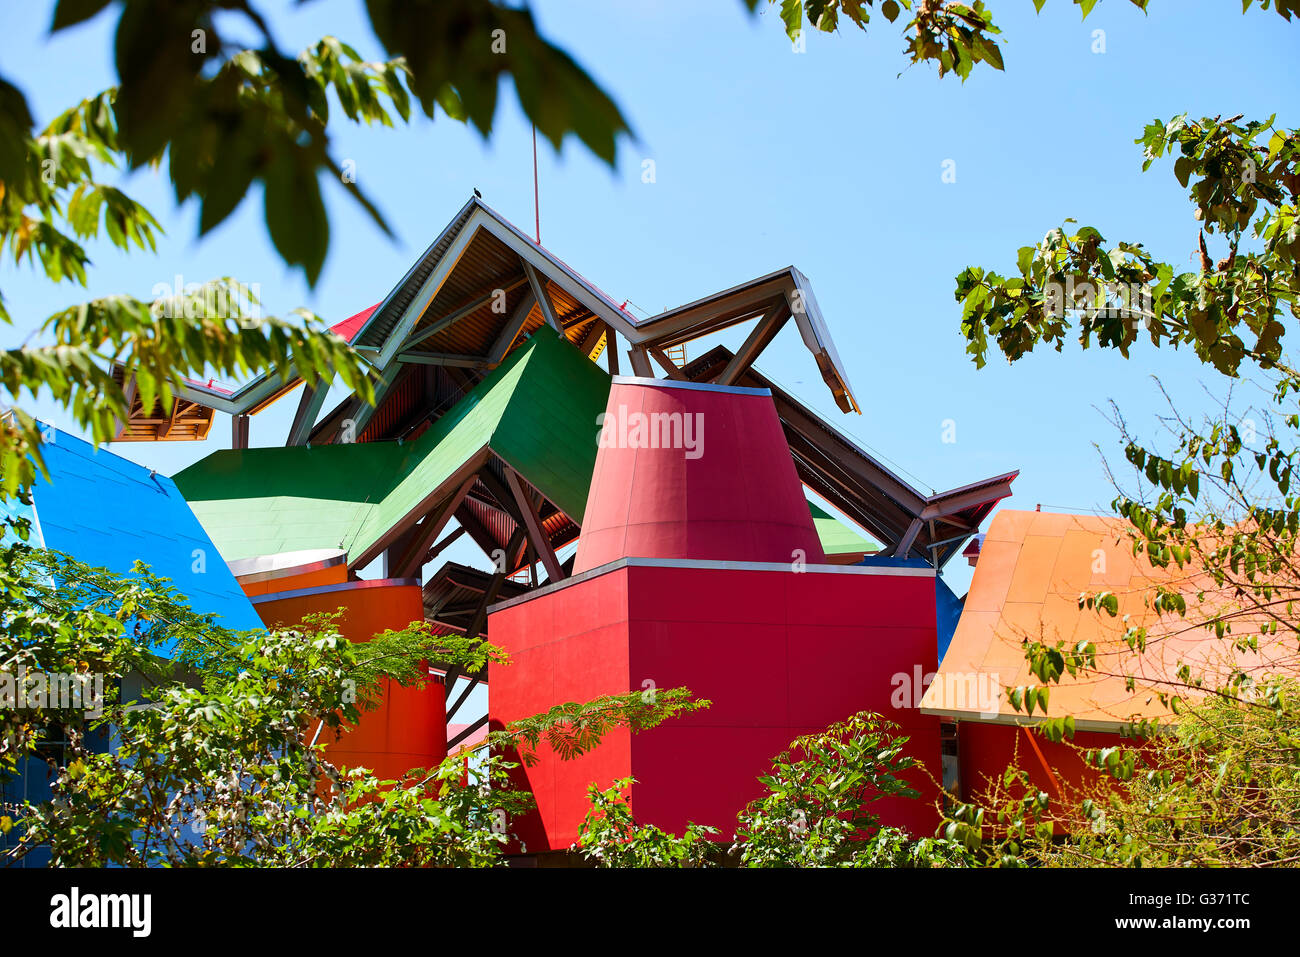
(948, 609)
(889, 561)
(108, 512)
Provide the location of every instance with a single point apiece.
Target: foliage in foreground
(1218, 788)
(221, 759)
(816, 811)
(1218, 784)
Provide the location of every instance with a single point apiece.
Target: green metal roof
(836, 537)
(537, 411)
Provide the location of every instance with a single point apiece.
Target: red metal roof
(352, 325)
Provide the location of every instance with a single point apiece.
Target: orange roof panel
(1031, 572)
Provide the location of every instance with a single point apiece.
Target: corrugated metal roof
(1032, 568)
(385, 318)
(537, 412)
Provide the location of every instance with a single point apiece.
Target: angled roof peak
(536, 412)
(478, 225)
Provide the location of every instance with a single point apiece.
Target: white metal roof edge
(703, 564)
(689, 386)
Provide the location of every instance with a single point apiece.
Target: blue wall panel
(108, 512)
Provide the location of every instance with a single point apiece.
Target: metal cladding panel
(985, 751)
(569, 646)
(1032, 567)
(716, 481)
(780, 654)
(271, 500)
(549, 434)
(108, 512)
(498, 524)
(836, 537)
(402, 403)
(537, 411)
(409, 728)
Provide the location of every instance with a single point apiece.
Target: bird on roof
(477, 194)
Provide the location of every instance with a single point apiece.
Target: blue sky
(829, 160)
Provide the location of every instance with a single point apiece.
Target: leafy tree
(952, 35)
(572, 729)
(50, 203)
(221, 118)
(610, 836)
(1217, 506)
(1243, 187)
(816, 812)
(1219, 787)
(1238, 536)
(220, 759)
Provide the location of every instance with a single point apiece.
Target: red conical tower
(698, 567)
(694, 471)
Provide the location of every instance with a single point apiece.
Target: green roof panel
(836, 537)
(537, 411)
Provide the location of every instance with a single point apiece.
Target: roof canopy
(536, 413)
(473, 301)
(483, 286)
(1032, 569)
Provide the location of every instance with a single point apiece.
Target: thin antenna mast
(537, 211)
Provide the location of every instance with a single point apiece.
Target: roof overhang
(905, 520)
(753, 300)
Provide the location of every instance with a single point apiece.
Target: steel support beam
(759, 338)
(304, 419)
(640, 362)
(536, 534)
(511, 331)
(543, 297)
(467, 732)
(668, 365)
(427, 532)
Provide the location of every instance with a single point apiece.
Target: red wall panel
(985, 750)
(745, 639)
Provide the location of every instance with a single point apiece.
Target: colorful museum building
(645, 521)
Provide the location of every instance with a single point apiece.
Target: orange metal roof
(1032, 569)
